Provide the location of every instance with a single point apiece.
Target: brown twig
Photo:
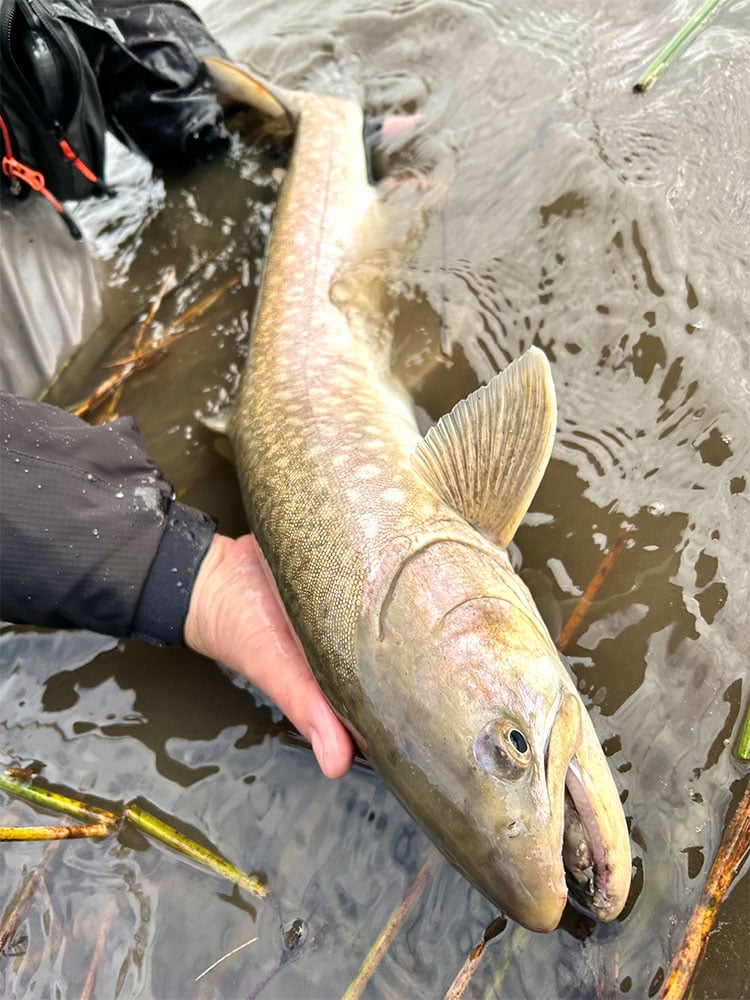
(104, 390)
(393, 926)
(573, 624)
(732, 850)
(202, 305)
(147, 355)
(166, 284)
(17, 909)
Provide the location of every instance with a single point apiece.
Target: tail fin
(245, 87)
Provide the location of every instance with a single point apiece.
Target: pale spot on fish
(393, 495)
(369, 530)
(367, 472)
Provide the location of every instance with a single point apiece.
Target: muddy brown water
(611, 230)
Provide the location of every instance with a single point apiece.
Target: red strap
(77, 162)
(14, 168)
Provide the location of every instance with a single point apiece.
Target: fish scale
(303, 420)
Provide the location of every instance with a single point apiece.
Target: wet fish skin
(420, 634)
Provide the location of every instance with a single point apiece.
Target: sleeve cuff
(163, 605)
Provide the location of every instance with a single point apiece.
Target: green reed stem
(55, 801)
(743, 744)
(103, 822)
(654, 70)
(172, 838)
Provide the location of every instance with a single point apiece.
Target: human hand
(236, 617)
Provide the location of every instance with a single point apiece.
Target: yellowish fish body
(422, 637)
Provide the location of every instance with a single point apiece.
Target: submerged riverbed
(611, 229)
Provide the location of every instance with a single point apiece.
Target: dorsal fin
(487, 456)
(241, 85)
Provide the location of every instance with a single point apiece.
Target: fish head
(493, 747)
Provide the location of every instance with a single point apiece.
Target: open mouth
(583, 850)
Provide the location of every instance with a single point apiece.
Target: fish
(389, 548)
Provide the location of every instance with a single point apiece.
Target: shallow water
(610, 229)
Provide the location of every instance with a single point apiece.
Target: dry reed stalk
(166, 284)
(106, 821)
(17, 909)
(732, 850)
(458, 987)
(54, 832)
(96, 958)
(55, 800)
(147, 355)
(393, 926)
(172, 838)
(573, 624)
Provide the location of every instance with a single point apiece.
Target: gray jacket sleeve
(90, 533)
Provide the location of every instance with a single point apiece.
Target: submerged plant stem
(17, 908)
(168, 835)
(732, 850)
(458, 987)
(391, 929)
(88, 986)
(573, 624)
(654, 69)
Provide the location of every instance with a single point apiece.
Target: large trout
(389, 550)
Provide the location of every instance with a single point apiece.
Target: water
(609, 228)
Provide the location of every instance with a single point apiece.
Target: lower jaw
(583, 852)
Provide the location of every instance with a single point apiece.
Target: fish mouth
(594, 843)
(584, 853)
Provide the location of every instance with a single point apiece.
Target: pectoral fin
(218, 424)
(487, 456)
(241, 85)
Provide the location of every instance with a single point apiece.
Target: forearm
(90, 535)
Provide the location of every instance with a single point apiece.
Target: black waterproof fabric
(136, 64)
(154, 86)
(49, 102)
(90, 535)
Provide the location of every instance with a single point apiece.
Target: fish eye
(502, 749)
(518, 740)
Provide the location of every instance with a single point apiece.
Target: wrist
(203, 619)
